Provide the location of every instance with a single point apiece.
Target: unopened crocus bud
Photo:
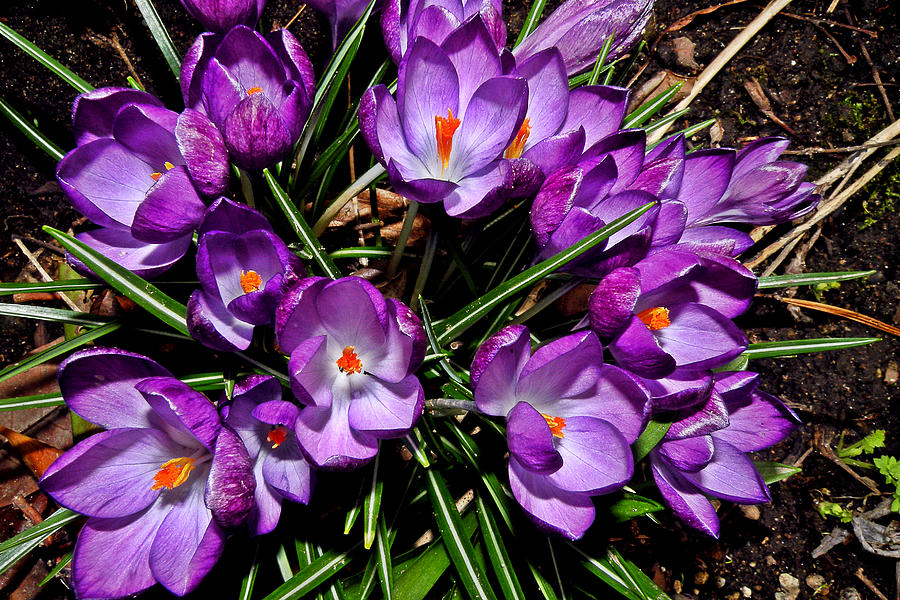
(221, 15)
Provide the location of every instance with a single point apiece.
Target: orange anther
(655, 318)
(277, 436)
(173, 473)
(250, 281)
(556, 424)
(444, 128)
(349, 363)
(254, 90)
(518, 144)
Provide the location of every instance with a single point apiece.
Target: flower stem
(451, 404)
(404, 237)
(355, 188)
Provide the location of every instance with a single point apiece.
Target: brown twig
(817, 21)
(811, 151)
(762, 103)
(875, 74)
(825, 450)
(868, 583)
(843, 312)
(296, 15)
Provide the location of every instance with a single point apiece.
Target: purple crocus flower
(569, 422)
(353, 355)
(221, 15)
(265, 424)
(703, 452)
(455, 114)
(402, 21)
(579, 28)
(159, 485)
(342, 15)
(673, 309)
(257, 89)
(140, 171)
(243, 269)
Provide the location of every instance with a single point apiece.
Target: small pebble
(752, 564)
(770, 560)
(676, 585)
(850, 594)
(701, 578)
(750, 512)
(734, 596)
(780, 595)
(720, 582)
(790, 585)
(746, 592)
(815, 581)
(891, 373)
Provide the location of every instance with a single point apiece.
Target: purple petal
(548, 94)
(170, 210)
(210, 323)
(757, 153)
(93, 112)
(474, 55)
(329, 442)
(627, 150)
(730, 476)
(566, 513)
(252, 62)
(686, 501)
(296, 318)
(700, 337)
(203, 149)
(141, 258)
(556, 151)
(286, 470)
(183, 409)
(276, 412)
(231, 486)
(233, 217)
(256, 134)
(496, 368)
(354, 314)
(756, 425)
(681, 390)
(564, 368)
(597, 108)
(637, 350)
(617, 398)
(197, 56)
(712, 416)
(611, 304)
(596, 457)
(706, 177)
(423, 190)
(383, 409)
(293, 58)
(663, 180)
(553, 202)
(313, 372)
(688, 454)
(530, 440)
(148, 132)
(713, 238)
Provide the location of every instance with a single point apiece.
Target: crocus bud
(221, 15)
(579, 28)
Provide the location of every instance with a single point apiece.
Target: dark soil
(826, 100)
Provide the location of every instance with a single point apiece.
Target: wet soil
(819, 84)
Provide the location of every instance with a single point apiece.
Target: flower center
(254, 90)
(169, 166)
(277, 436)
(655, 318)
(444, 128)
(349, 363)
(556, 424)
(250, 281)
(173, 473)
(518, 145)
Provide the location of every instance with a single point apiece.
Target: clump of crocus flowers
(472, 126)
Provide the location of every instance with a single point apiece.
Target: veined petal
(730, 476)
(384, 409)
(496, 368)
(596, 457)
(685, 500)
(231, 485)
(171, 209)
(189, 415)
(210, 323)
(552, 509)
(329, 442)
(530, 440)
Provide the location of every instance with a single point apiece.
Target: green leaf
(160, 35)
(35, 401)
(651, 436)
(792, 347)
(372, 506)
(249, 580)
(782, 281)
(144, 294)
(495, 490)
(645, 111)
(301, 227)
(453, 326)
(601, 60)
(631, 505)
(45, 59)
(544, 586)
(385, 572)
(58, 315)
(19, 545)
(318, 572)
(62, 564)
(30, 131)
(7, 289)
(58, 350)
(457, 543)
(867, 445)
(833, 509)
(497, 553)
(774, 471)
(531, 21)
(622, 575)
(738, 364)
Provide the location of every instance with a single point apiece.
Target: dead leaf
(656, 85)
(684, 52)
(36, 455)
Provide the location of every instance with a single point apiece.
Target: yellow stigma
(277, 436)
(169, 166)
(349, 363)
(655, 318)
(173, 473)
(518, 144)
(556, 424)
(444, 128)
(250, 281)
(254, 90)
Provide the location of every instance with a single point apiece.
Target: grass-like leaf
(8, 289)
(62, 564)
(144, 294)
(451, 327)
(30, 131)
(497, 553)
(372, 505)
(318, 572)
(301, 227)
(544, 586)
(783, 281)
(774, 471)
(793, 347)
(45, 59)
(531, 21)
(160, 35)
(650, 437)
(621, 575)
(249, 580)
(35, 401)
(645, 111)
(44, 313)
(460, 549)
(631, 506)
(58, 350)
(385, 572)
(601, 60)
(16, 547)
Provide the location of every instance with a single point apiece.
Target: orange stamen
(556, 424)
(518, 145)
(173, 473)
(349, 363)
(655, 318)
(250, 281)
(444, 129)
(254, 90)
(155, 176)
(277, 436)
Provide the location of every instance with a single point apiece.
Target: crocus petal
(187, 544)
(266, 511)
(730, 476)
(385, 409)
(626, 147)
(681, 390)
(706, 177)
(93, 112)
(120, 546)
(231, 485)
(617, 397)
(141, 258)
(171, 209)
(197, 56)
(556, 151)
(762, 422)
(637, 350)
(688, 454)
(292, 56)
(275, 412)
(203, 149)
(552, 509)
(758, 153)
(684, 499)
(425, 190)
(328, 440)
(599, 109)
(148, 132)
(290, 327)
(185, 410)
(715, 238)
(236, 218)
(496, 367)
(596, 457)
(89, 378)
(111, 474)
(252, 62)
(663, 180)
(221, 92)
(564, 368)
(548, 94)
(710, 417)
(255, 133)
(474, 55)
(700, 337)
(312, 372)
(611, 304)
(353, 312)
(286, 470)
(210, 323)
(530, 440)
(380, 125)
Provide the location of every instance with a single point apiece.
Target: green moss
(881, 195)
(858, 113)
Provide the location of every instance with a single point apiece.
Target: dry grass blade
(845, 313)
(685, 21)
